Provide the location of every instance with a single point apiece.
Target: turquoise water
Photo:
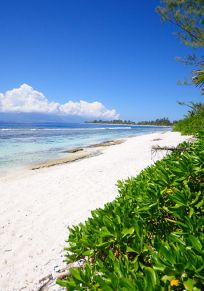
(22, 145)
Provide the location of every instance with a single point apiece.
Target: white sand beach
(37, 206)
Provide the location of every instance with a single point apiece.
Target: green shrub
(193, 122)
(152, 236)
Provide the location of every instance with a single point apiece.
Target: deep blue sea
(26, 144)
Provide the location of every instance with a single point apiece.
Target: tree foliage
(159, 121)
(198, 78)
(188, 17)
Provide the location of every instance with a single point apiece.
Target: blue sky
(114, 52)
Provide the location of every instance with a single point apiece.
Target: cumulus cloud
(26, 99)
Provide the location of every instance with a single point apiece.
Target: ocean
(26, 144)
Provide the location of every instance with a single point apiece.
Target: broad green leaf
(151, 278)
(75, 272)
(189, 284)
(88, 253)
(130, 250)
(127, 231)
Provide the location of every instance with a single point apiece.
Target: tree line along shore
(159, 122)
(190, 124)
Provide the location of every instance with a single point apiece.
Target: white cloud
(26, 99)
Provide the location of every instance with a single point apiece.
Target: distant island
(159, 121)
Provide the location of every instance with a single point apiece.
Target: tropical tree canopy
(188, 16)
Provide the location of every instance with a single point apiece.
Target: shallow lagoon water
(22, 145)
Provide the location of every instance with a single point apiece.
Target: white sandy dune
(37, 206)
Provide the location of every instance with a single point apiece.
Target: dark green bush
(152, 236)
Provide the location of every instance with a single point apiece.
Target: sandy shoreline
(37, 206)
(76, 154)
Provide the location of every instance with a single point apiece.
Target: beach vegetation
(187, 16)
(193, 121)
(151, 237)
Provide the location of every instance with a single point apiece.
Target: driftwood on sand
(155, 149)
(50, 279)
(179, 149)
(46, 283)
